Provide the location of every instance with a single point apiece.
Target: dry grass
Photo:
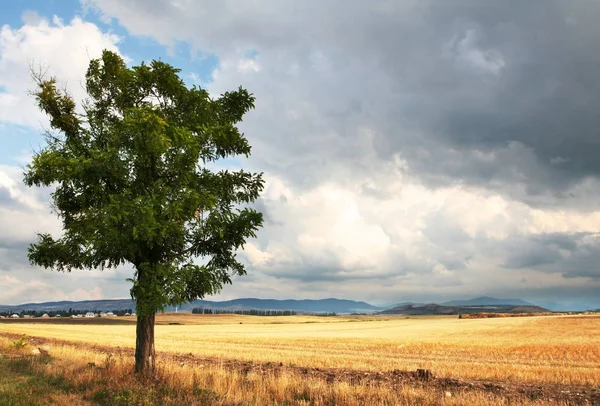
(78, 375)
(556, 350)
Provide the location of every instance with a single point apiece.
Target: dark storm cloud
(573, 255)
(502, 95)
(13, 255)
(535, 118)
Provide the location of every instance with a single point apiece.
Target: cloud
(463, 49)
(17, 291)
(410, 241)
(65, 50)
(468, 93)
(572, 255)
(60, 49)
(413, 151)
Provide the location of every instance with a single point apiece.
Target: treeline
(257, 312)
(63, 313)
(251, 312)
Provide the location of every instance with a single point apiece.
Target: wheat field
(546, 350)
(77, 375)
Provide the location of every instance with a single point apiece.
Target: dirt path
(576, 395)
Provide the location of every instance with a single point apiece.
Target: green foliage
(107, 397)
(22, 385)
(21, 366)
(133, 183)
(20, 343)
(205, 396)
(250, 312)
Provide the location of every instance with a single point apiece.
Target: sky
(412, 151)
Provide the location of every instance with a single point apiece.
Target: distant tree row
(251, 312)
(256, 312)
(63, 313)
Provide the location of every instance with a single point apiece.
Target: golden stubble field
(560, 350)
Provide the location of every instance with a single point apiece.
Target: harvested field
(552, 358)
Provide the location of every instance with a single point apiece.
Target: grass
(22, 385)
(546, 351)
(79, 376)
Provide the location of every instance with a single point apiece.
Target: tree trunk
(144, 345)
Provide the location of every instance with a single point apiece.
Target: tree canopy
(134, 184)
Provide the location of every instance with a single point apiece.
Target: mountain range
(300, 306)
(340, 306)
(432, 308)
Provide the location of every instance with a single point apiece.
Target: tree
(134, 185)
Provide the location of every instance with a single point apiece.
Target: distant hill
(433, 309)
(486, 300)
(301, 306)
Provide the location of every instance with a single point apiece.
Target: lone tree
(134, 185)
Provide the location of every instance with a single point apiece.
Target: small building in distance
(15, 316)
(90, 314)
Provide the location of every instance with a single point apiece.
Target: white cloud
(63, 49)
(247, 64)
(443, 241)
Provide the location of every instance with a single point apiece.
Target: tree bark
(144, 345)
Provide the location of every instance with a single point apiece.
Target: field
(340, 360)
